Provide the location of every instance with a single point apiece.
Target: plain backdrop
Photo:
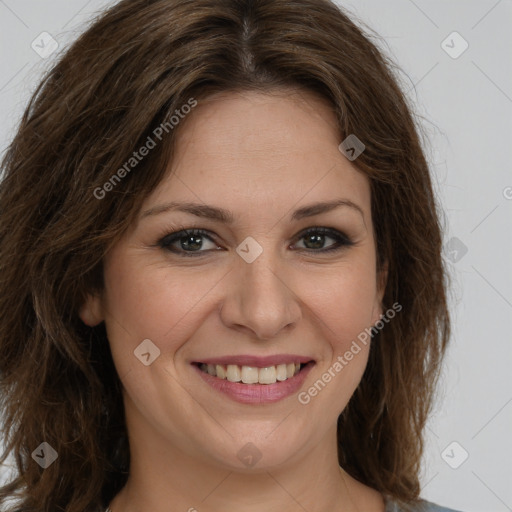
(461, 87)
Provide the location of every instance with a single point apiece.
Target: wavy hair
(124, 76)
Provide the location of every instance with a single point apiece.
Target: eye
(315, 238)
(189, 241)
(193, 242)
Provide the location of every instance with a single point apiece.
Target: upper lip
(258, 361)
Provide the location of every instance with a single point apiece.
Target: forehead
(258, 148)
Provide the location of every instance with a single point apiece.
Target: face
(277, 267)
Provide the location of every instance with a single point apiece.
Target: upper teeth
(252, 374)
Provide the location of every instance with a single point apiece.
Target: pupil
(317, 240)
(193, 242)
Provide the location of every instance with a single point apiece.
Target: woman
(222, 282)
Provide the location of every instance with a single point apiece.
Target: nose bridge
(263, 275)
(260, 299)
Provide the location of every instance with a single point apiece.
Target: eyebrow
(227, 217)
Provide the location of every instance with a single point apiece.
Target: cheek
(153, 302)
(342, 305)
(343, 299)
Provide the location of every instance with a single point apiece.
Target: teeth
(281, 372)
(221, 371)
(234, 374)
(252, 374)
(249, 375)
(267, 375)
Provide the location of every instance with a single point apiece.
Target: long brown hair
(136, 64)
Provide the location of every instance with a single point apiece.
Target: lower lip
(257, 393)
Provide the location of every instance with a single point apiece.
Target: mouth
(255, 380)
(253, 374)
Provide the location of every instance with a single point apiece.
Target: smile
(257, 382)
(252, 374)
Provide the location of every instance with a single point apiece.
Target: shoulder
(422, 506)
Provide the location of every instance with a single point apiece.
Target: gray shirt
(423, 506)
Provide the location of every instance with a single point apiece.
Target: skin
(261, 156)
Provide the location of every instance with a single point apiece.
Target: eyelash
(342, 241)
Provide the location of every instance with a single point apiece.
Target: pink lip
(256, 393)
(258, 361)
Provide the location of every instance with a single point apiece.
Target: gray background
(465, 104)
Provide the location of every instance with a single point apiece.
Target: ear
(91, 312)
(382, 279)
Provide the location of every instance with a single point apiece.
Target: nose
(260, 299)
